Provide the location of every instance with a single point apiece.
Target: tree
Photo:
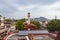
(19, 24)
(37, 24)
(54, 25)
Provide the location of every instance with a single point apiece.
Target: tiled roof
(25, 32)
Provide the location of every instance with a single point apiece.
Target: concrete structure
(28, 17)
(3, 30)
(44, 24)
(31, 35)
(2, 21)
(28, 25)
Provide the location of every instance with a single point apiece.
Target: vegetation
(20, 25)
(37, 24)
(54, 25)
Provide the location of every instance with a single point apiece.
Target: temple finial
(55, 17)
(28, 17)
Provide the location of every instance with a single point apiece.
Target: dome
(30, 26)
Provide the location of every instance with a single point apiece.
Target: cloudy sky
(19, 8)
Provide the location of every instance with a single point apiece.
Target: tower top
(55, 17)
(28, 17)
(28, 14)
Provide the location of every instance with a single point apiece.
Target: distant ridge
(41, 19)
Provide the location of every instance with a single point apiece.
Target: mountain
(41, 19)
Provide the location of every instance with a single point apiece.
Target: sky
(18, 9)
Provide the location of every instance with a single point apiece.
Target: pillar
(28, 18)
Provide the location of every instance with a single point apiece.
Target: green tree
(54, 25)
(37, 24)
(19, 24)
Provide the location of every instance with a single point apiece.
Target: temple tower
(28, 17)
(28, 25)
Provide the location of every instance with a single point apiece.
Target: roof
(26, 32)
(3, 30)
(30, 26)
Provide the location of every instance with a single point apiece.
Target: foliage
(54, 25)
(37, 24)
(19, 24)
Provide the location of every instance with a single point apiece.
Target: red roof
(31, 26)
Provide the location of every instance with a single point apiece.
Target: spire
(28, 13)
(28, 17)
(55, 17)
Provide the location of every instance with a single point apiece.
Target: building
(44, 24)
(1, 21)
(31, 35)
(4, 26)
(28, 24)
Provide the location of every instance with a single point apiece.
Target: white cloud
(28, 7)
(48, 11)
(37, 10)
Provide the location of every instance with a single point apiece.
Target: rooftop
(26, 32)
